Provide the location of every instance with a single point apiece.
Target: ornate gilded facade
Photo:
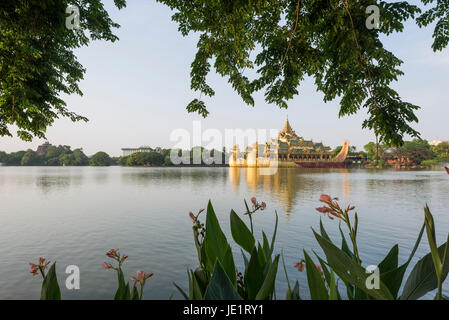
(288, 150)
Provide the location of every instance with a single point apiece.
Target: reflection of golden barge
(289, 150)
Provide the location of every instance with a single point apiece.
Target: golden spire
(287, 128)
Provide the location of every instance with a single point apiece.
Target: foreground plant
(124, 291)
(50, 288)
(427, 275)
(217, 277)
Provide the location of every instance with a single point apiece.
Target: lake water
(73, 215)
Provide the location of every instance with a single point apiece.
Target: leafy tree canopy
(285, 41)
(100, 159)
(282, 40)
(37, 62)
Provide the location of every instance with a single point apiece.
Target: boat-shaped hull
(320, 164)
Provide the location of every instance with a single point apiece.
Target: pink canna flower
(34, 269)
(325, 198)
(141, 277)
(42, 263)
(299, 265)
(192, 216)
(263, 205)
(113, 253)
(107, 265)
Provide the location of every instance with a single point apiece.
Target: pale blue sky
(136, 91)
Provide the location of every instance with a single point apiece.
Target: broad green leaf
(253, 275)
(245, 259)
(327, 274)
(216, 244)
(196, 290)
(393, 278)
(241, 234)
(333, 290)
(266, 291)
(266, 246)
(423, 277)
(390, 262)
(344, 244)
(323, 231)
(261, 255)
(348, 270)
(121, 290)
(220, 287)
(50, 288)
(229, 266)
(315, 280)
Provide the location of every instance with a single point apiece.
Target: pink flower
(254, 200)
(107, 265)
(34, 269)
(42, 263)
(263, 205)
(113, 253)
(123, 258)
(141, 277)
(192, 216)
(325, 198)
(299, 265)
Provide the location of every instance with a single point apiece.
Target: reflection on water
(73, 215)
(285, 183)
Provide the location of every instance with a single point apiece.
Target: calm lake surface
(74, 215)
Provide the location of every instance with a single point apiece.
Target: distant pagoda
(289, 150)
(42, 149)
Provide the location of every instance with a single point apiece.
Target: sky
(136, 91)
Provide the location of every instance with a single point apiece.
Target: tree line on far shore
(417, 151)
(56, 156)
(63, 155)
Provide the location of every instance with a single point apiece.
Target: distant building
(130, 151)
(42, 149)
(436, 142)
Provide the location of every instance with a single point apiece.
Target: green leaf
(273, 239)
(229, 266)
(349, 271)
(50, 288)
(181, 291)
(393, 278)
(121, 290)
(240, 233)
(220, 287)
(266, 291)
(315, 281)
(253, 275)
(333, 290)
(390, 262)
(135, 293)
(216, 245)
(423, 277)
(195, 290)
(323, 231)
